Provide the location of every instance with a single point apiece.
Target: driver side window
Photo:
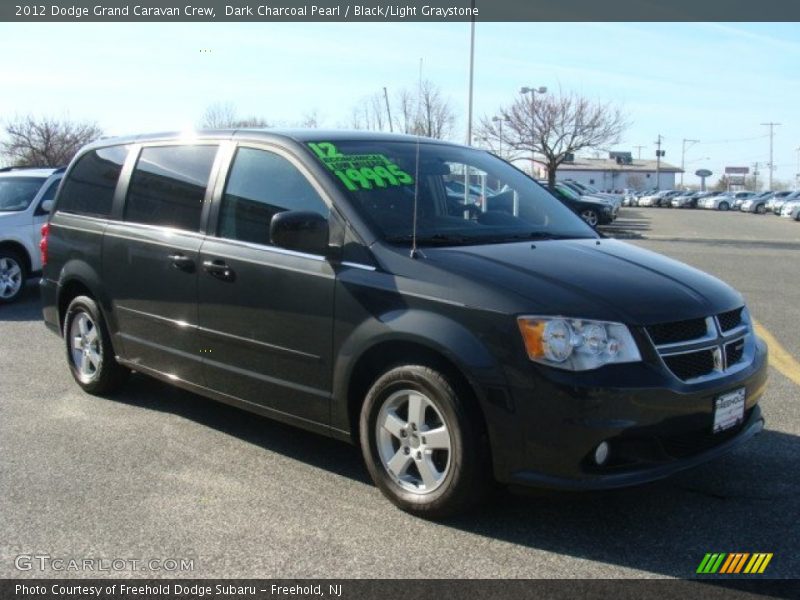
(260, 185)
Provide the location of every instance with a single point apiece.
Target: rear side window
(89, 187)
(168, 186)
(260, 185)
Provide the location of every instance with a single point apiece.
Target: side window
(50, 192)
(168, 185)
(89, 187)
(260, 185)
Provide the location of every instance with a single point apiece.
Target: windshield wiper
(438, 239)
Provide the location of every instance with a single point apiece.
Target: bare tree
(310, 120)
(555, 126)
(223, 115)
(419, 112)
(46, 141)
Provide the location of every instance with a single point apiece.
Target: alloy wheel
(590, 217)
(414, 442)
(85, 347)
(10, 277)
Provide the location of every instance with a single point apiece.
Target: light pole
(683, 154)
(772, 127)
(499, 121)
(533, 91)
(471, 74)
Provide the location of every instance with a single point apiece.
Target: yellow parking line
(779, 357)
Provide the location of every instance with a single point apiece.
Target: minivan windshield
(16, 193)
(463, 196)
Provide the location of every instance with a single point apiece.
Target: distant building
(617, 172)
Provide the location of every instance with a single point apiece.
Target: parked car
(776, 196)
(756, 204)
(791, 210)
(581, 191)
(594, 212)
(740, 197)
(26, 196)
(723, 201)
(778, 203)
(323, 279)
(687, 199)
(587, 190)
(658, 198)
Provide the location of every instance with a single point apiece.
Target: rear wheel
(423, 445)
(13, 275)
(724, 206)
(89, 352)
(761, 209)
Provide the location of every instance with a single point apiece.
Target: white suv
(26, 196)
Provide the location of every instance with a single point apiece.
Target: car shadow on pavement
(743, 502)
(27, 308)
(314, 449)
(630, 224)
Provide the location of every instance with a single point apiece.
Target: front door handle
(181, 261)
(219, 269)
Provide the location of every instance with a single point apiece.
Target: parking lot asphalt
(160, 473)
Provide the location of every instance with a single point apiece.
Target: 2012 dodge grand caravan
(342, 282)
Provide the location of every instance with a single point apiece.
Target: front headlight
(577, 344)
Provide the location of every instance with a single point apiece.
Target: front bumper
(655, 424)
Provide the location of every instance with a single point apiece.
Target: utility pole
(658, 162)
(388, 110)
(797, 175)
(639, 153)
(755, 177)
(683, 154)
(471, 74)
(771, 134)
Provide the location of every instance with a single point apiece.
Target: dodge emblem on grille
(718, 366)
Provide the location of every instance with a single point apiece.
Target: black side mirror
(301, 231)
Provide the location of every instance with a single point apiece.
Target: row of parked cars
(783, 203)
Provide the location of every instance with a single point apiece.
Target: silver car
(779, 203)
(756, 204)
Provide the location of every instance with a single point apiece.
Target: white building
(616, 173)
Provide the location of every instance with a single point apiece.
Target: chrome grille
(701, 348)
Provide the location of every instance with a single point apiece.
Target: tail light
(43, 243)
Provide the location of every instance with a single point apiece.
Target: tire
(761, 209)
(430, 478)
(724, 206)
(89, 352)
(590, 216)
(13, 275)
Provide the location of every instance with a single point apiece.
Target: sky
(714, 82)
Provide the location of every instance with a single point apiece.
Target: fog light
(601, 453)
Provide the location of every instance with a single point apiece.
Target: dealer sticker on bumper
(728, 410)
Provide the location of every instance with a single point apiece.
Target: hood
(598, 279)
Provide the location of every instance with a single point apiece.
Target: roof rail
(18, 168)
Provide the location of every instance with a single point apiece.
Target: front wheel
(89, 352)
(724, 206)
(761, 209)
(423, 444)
(590, 216)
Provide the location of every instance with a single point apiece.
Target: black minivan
(334, 281)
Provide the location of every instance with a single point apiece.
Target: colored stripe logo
(723, 563)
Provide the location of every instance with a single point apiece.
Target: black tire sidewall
(24, 271)
(109, 370)
(449, 497)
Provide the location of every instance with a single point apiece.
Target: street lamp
(499, 121)
(533, 91)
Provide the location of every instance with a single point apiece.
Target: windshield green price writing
(360, 171)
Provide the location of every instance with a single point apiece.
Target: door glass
(168, 186)
(260, 185)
